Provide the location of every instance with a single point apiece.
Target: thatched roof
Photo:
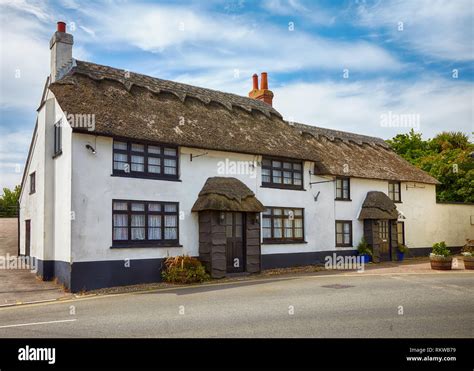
(135, 106)
(377, 205)
(227, 194)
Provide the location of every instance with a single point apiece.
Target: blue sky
(399, 56)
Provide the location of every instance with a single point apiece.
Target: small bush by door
(184, 269)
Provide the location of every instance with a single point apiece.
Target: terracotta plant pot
(468, 262)
(441, 262)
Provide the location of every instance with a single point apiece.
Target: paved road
(434, 305)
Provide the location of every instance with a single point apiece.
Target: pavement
(20, 285)
(352, 305)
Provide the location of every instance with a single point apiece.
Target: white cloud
(358, 106)
(441, 29)
(13, 156)
(294, 8)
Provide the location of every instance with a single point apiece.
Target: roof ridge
(181, 90)
(343, 135)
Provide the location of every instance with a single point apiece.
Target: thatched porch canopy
(377, 205)
(227, 194)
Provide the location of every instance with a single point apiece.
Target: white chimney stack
(61, 52)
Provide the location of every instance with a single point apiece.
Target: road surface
(347, 306)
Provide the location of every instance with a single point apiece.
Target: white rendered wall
(93, 189)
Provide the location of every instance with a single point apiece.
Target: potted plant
(401, 251)
(440, 257)
(468, 254)
(364, 251)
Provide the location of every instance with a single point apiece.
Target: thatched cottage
(126, 169)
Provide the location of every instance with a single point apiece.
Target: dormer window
(279, 173)
(343, 189)
(143, 160)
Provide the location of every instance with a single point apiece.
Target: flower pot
(400, 255)
(441, 262)
(468, 262)
(366, 258)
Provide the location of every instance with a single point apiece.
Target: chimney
(263, 93)
(61, 52)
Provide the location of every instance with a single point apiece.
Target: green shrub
(402, 248)
(184, 269)
(468, 248)
(363, 247)
(440, 249)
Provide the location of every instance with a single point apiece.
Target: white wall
(48, 208)
(93, 189)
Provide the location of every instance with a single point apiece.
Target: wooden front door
(384, 236)
(234, 231)
(27, 237)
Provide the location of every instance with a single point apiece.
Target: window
(343, 233)
(282, 173)
(33, 182)
(343, 189)
(383, 230)
(145, 160)
(145, 223)
(401, 233)
(282, 225)
(394, 191)
(57, 139)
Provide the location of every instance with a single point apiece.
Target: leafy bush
(184, 269)
(402, 248)
(363, 247)
(440, 249)
(468, 248)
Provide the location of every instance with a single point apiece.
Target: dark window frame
(343, 179)
(33, 182)
(129, 152)
(402, 234)
(58, 144)
(146, 212)
(392, 193)
(351, 243)
(283, 239)
(282, 185)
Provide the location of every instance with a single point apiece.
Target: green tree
(447, 157)
(9, 202)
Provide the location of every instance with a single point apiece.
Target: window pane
(287, 165)
(154, 150)
(154, 233)
(298, 223)
(171, 221)
(298, 233)
(266, 176)
(120, 205)
(298, 212)
(267, 212)
(170, 208)
(266, 223)
(171, 233)
(154, 161)
(297, 167)
(276, 163)
(276, 211)
(170, 151)
(137, 163)
(276, 176)
(154, 207)
(266, 162)
(120, 234)
(154, 227)
(267, 233)
(138, 234)
(346, 228)
(339, 239)
(138, 220)
(287, 177)
(138, 147)
(120, 145)
(338, 227)
(288, 233)
(346, 239)
(154, 169)
(138, 206)
(120, 157)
